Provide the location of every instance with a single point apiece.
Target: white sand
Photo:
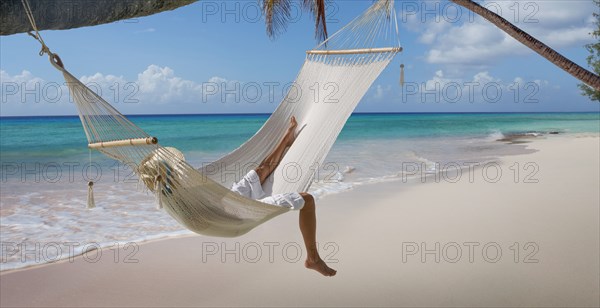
(370, 230)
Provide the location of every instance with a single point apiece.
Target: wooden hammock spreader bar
(354, 51)
(123, 142)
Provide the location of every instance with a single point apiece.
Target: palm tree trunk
(534, 44)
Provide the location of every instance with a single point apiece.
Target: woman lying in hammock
(251, 187)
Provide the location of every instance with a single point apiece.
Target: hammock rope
(341, 69)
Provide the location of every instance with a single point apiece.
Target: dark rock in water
(516, 138)
(553, 133)
(67, 14)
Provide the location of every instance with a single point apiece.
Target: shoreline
(369, 230)
(422, 178)
(415, 179)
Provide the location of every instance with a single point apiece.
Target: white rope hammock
(343, 67)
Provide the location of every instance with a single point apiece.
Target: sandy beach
(526, 238)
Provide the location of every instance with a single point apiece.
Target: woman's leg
(308, 227)
(308, 218)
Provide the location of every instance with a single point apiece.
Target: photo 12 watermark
(454, 172)
(271, 252)
(31, 253)
(447, 12)
(470, 252)
(469, 92)
(49, 172)
(253, 12)
(36, 92)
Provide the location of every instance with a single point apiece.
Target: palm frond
(318, 9)
(277, 15)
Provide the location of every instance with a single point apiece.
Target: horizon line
(268, 114)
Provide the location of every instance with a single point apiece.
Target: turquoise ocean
(46, 166)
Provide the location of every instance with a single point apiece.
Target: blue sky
(162, 63)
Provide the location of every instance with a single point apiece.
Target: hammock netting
(343, 67)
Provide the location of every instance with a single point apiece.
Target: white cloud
(484, 77)
(475, 41)
(155, 90)
(519, 80)
(148, 30)
(380, 91)
(217, 79)
(161, 84)
(24, 76)
(157, 85)
(154, 85)
(434, 84)
(431, 32)
(26, 93)
(481, 87)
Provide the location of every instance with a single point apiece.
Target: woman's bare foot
(290, 135)
(321, 267)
